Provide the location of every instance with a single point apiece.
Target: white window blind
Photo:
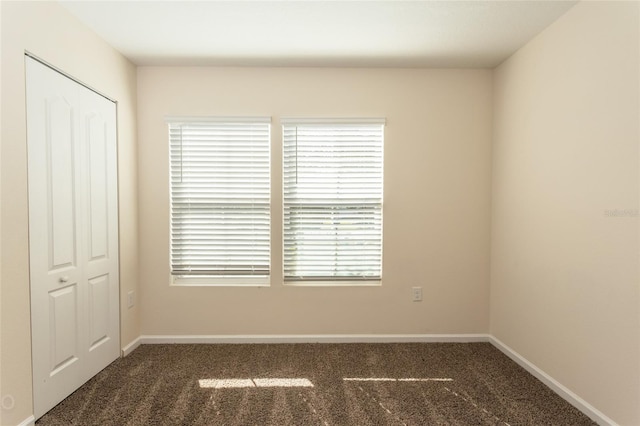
(333, 172)
(220, 197)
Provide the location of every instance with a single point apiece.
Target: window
(333, 199)
(220, 200)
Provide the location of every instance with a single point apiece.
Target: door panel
(98, 214)
(63, 320)
(73, 233)
(61, 186)
(98, 311)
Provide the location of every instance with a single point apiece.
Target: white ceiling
(388, 33)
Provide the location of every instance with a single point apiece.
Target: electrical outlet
(131, 299)
(417, 294)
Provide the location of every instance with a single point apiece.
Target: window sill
(220, 281)
(337, 283)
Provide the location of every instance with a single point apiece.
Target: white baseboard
(319, 338)
(29, 421)
(131, 346)
(573, 399)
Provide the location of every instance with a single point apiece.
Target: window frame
(222, 280)
(337, 281)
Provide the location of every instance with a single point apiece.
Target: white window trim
(178, 119)
(330, 120)
(334, 283)
(339, 282)
(222, 280)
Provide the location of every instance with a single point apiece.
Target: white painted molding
(29, 421)
(319, 338)
(573, 399)
(131, 346)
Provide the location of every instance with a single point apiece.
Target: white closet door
(100, 230)
(73, 233)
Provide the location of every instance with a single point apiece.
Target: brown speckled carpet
(387, 384)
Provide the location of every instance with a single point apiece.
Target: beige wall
(563, 115)
(436, 206)
(564, 275)
(50, 32)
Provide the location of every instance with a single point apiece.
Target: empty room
(320, 213)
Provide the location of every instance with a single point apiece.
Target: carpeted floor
(423, 384)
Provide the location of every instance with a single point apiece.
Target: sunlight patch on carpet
(255, 383)
(287, 383)
(391, 379)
